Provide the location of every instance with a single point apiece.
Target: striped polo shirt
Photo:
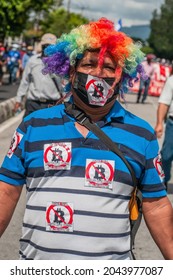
(78, 191)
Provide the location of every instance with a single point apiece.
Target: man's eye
(110, 68)
(87, 64)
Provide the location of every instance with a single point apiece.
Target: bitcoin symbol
(99, 173)
(98, 89)
(59, 216)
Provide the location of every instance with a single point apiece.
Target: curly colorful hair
(96, 35)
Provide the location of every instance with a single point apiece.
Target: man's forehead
(95, 55)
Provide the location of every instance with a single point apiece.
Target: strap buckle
(81, 118)
(43, 100)
(75, 113)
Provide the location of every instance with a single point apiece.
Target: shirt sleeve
(12, 170)
(24, 84)
(167, 92)
(153, 176)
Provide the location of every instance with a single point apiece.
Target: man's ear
(118, 73)
(72, 73)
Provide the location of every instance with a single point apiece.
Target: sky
(131, 12)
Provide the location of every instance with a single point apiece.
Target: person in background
(165, 114)
(13, 63)
(144, 84)
(26, 56)
(3, 62)
(22, 51)
(40, 91)
(78, 191)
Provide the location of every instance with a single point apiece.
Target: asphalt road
(145, 248)
(7, 91)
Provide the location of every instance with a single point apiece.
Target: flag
(119, 25)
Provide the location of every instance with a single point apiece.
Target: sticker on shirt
(57, 156)
(17, 137)
(158, 165)
(99, 173)
(59, 216)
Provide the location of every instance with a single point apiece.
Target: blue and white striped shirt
(77, 190)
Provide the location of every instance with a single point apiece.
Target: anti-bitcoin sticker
(57, 156)
(59, 216)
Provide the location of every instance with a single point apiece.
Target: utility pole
(68, 6)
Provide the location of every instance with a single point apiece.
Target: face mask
(29, 53)
(94, 90)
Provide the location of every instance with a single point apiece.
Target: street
(145, 248)
(7, 91)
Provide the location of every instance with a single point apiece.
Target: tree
(14, 14)
(147, 50)
(62, 21)
(161, 36)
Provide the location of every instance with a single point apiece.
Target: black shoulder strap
(56, 85)
(84, 120)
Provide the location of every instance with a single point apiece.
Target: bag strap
(56, 85)
(82, 119)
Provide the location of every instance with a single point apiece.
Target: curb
(7, 109)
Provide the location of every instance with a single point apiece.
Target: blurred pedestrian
(39, 90)
(3, 62)
(22, 51)
(13, 63)
(165, 124)
(144, 84)
(78, 190)
(26, 56)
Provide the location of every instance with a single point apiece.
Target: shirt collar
(117, 112)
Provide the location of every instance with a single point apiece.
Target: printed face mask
(94, 90)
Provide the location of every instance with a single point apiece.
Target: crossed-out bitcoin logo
(59, 216)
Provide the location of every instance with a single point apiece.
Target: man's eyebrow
(89, 59)
(110, 64)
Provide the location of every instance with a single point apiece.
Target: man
(165, 112)
(78, 191)
(13, 63)
(144, 84)
(3, 62)
(27, 55)
(40, 91)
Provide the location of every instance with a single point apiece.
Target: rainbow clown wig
(95, 35)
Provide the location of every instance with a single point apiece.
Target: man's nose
(97, 71)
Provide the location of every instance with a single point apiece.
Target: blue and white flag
(119, 25)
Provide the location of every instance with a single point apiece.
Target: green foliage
(60, 21)
(161, 36)
(14, 14)
(32, 18)
(147, 50)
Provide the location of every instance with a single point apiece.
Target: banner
(161, 73)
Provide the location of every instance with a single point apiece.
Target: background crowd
(162, 69)
(13, 60)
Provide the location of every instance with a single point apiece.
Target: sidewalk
(7, 99)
